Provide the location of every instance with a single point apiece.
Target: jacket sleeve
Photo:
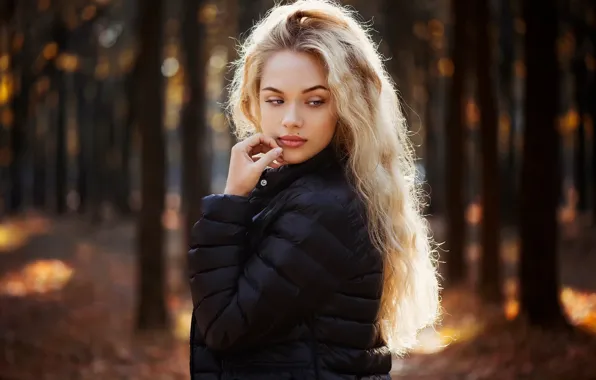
(239, 296)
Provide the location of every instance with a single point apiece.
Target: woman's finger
(261, 148)
(268, 158)
(275, 164)
(259, 139)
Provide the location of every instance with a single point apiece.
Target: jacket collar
(272, 181)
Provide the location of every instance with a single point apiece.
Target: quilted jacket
(285, 282)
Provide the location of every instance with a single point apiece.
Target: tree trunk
(20, 107)
(233, 19)
(455, 136)
(591, 112)
(87, 178)
(580, 76)
(250, 12)
(18, 142)
(592, 115)
(61, 35)
(432, 160)
(509, 169)
(61, 163)
(151, 307)
(112, 149)
(101, 147)
(400, 43)
(490, 278)
(127, 123)
(540, 179)
(196, 173)
(40, 175)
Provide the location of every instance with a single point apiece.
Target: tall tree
(509, 167)
(128, 126)
(60, 34)
(432, 133)
(580, 76)
(196, 174)
(250, 12)
(455, 134)
(490, 279)
(233, 21)
(591, 102)
(15, 123)
(86, 89)
(540, 179)
(151, 307)
(400, 41)
(434, 57)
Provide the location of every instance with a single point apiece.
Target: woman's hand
(248, 160)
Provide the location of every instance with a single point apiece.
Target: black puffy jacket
(286, 283)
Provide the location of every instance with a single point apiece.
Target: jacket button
(263, 182)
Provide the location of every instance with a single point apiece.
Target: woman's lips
(291, 141)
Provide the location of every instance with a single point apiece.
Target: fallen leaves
(580, 307)
(39, 277)
(16, 232)
(83, 328)
(508, 351)
(11, 237)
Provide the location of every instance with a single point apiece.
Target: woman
(315, 263)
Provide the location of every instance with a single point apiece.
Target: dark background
(111, 130)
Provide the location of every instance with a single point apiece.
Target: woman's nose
(292, 118)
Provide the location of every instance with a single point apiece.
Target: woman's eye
(316, 103)
(275, 101)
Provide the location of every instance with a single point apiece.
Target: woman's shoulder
(330, 199)
(328, 208)
(329, 188)
(331, 205)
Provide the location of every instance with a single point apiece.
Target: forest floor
(67, 307)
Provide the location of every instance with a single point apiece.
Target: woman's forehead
(293, 72)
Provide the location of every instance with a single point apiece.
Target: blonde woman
(315, 263)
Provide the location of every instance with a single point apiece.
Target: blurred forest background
(111, 131)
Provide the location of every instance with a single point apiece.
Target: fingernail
(277, 151)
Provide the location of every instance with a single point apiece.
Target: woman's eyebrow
(273, 89)
(317, 87)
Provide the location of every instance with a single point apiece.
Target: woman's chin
(292, 158)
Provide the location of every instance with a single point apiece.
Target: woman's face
(296, 105)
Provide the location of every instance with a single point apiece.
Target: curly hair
(373, 132)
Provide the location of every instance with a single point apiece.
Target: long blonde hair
(372, 130)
